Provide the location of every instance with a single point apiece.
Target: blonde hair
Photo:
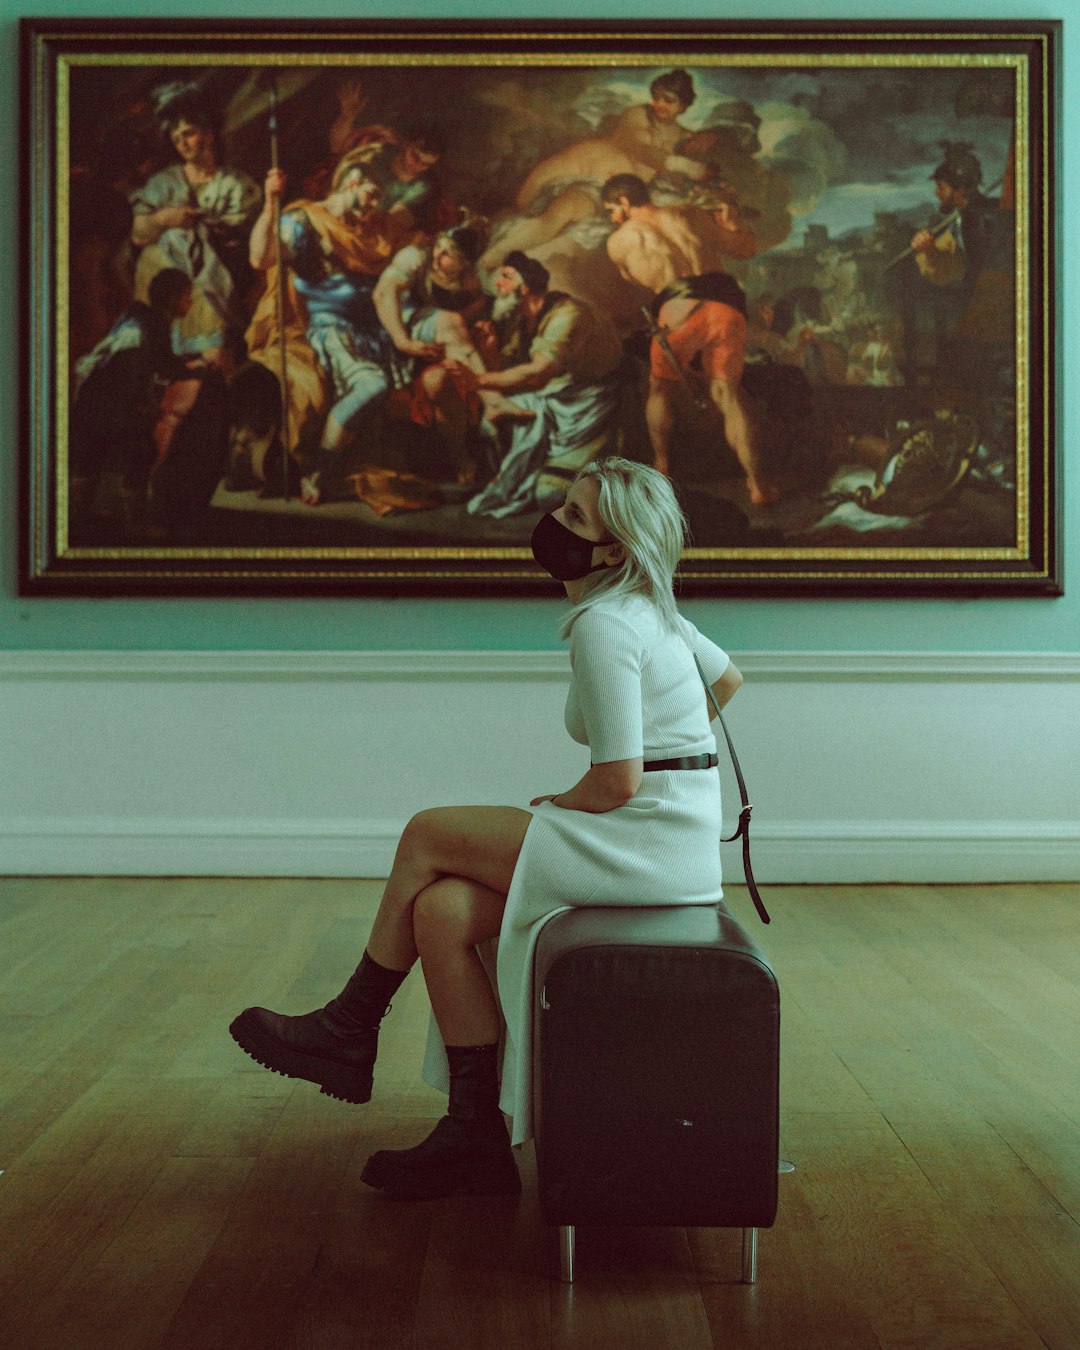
(638, 508)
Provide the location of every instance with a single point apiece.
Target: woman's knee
(421, 836)
(449, 911)
(477, 842)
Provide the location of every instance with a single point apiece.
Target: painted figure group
(285, 342)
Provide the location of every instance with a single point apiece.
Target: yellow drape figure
(365, 250)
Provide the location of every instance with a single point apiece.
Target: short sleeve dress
(634, 691)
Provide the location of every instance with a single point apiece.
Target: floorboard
(158, 1191)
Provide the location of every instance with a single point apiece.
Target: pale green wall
(742, 625)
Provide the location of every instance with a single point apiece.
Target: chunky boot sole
(468, 1177)
(344, 1082)
(436, 1152)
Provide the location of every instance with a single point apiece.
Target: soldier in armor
(966, 264)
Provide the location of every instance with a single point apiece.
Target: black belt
(720, 287)
(686, 762)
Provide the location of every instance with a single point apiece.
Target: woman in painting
(642, 822)
(196, 215)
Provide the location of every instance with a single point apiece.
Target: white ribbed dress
(634, 690)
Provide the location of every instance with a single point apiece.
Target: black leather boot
(334, 1046)
(468, 1152)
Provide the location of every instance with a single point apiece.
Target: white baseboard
(863, 767)
(500, 666)
(241, 848)
(837, 852)
(854, 852)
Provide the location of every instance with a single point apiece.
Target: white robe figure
(229, 203)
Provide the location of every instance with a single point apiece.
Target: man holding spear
(965, 261)
(322, 260)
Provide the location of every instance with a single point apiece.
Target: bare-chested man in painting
(678, 253)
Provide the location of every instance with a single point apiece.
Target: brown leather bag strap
(743, 827)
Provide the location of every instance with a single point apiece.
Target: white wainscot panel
(862, 766)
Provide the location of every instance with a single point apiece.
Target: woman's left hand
(603, 788)
(537, 800)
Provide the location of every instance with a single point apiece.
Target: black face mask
(561, 552)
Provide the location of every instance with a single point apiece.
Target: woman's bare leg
(468, 1152)
(474, 850)
(477, 843)
(450, 917)
(469, 1149)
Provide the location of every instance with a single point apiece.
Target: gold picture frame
(860, 397)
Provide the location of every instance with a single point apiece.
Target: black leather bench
(656, 1066)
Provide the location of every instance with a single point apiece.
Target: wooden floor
(159, 1190)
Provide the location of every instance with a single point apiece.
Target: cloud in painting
(803, 150)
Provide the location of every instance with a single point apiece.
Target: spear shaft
(940, 228)
(279, 263)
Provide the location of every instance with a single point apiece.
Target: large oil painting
(346, 307)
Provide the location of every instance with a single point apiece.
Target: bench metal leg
(749, 1255)
(566, 1253)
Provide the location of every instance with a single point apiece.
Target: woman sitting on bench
(642, 826)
